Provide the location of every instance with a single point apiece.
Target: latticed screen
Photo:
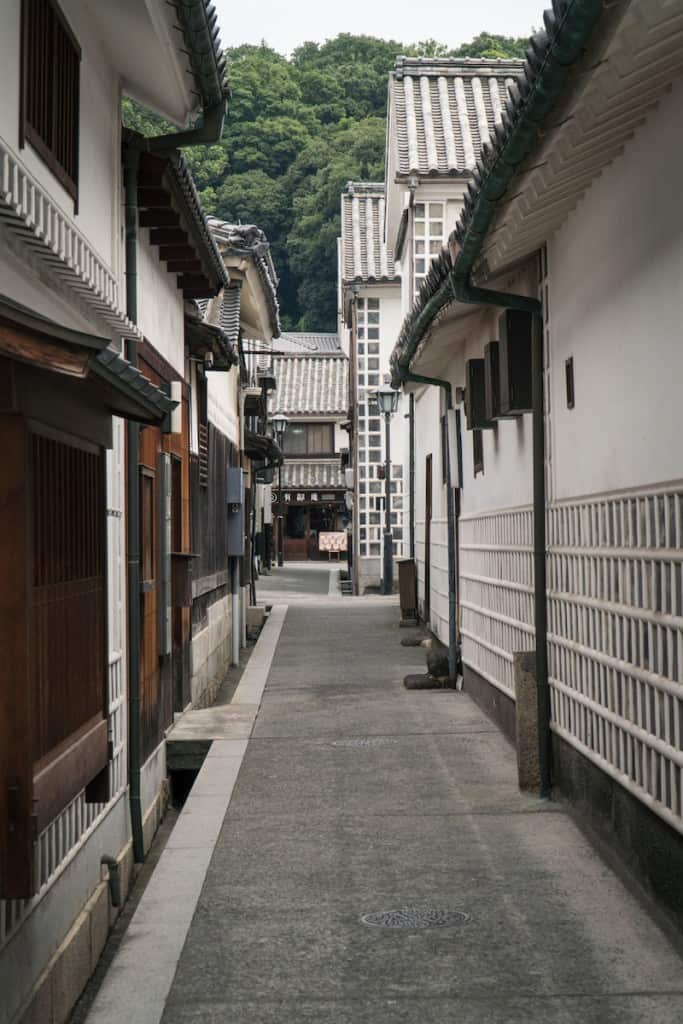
(50, 82)
(370, 439)
(68, 620)
(429, 236)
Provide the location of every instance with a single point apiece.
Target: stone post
(526, 715)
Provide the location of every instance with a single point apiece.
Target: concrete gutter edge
(137, 986)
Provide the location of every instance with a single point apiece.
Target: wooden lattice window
(53, 634)
(50, 88)
(203, 430)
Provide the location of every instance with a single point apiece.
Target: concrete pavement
(356, 796)
(296, 581)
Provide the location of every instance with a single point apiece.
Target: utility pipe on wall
(131, 166)
(411, 471)
(464, 291)
(451, 525)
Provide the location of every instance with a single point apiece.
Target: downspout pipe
(464, 291)
(453, 659)
(209, 132)
(411, 471)
(131, 167)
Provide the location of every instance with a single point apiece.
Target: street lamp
(279, 422)
(387, 402)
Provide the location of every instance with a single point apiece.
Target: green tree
(492, 47)
(297, 130)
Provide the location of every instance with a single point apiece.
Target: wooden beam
(159, 219)
(151, 171)
(207, 292)
(77, 762)
(192, 281)
(49, 355)
(156, 197)
(184, 266)
(168, 236)
(177, 252)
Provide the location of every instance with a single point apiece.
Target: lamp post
(387, 402)
(280, 422)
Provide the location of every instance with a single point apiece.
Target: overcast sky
(286, 25)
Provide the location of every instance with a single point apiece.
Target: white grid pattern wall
(61, 840)
(496, 592)
(428, 239)
(615, 622)
(371, 440)
(615, 628)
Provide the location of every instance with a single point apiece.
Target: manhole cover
(410, 917)
(364, 741)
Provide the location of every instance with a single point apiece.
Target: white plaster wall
(616, 306)
(22, 280)
(507, 478)
(428, 411)
(98, 216)
(29, 951)
(160, 304)
(210, 650)
(223, 402)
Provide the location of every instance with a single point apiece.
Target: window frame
(28, 133)
(308, 453)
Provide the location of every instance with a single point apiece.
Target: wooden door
(428, 537)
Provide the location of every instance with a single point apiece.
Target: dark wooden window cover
(50, 89)
(53, 633)
(515, 362)
(475, 396)
(477, 452)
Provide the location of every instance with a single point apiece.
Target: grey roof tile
(309, 341)
(364, 250)
(250, 241)
(315, 385)
(309, 475)
(446, 109)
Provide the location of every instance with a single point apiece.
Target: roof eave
(198, 22)
(551, 55)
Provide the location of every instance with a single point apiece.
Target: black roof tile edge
(199, 25)
(436, 292)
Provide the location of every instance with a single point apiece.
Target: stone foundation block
(526, 716)
(71, 969)
(256, 615)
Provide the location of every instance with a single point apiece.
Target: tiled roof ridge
(461, 66)
(310, 354)
(183, 176)
(250, 240)
(369, 187)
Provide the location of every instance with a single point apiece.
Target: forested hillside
(298, 129)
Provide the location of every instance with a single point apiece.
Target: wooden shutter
(475, 396)
(515, 362)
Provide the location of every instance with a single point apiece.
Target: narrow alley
(376, 862)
